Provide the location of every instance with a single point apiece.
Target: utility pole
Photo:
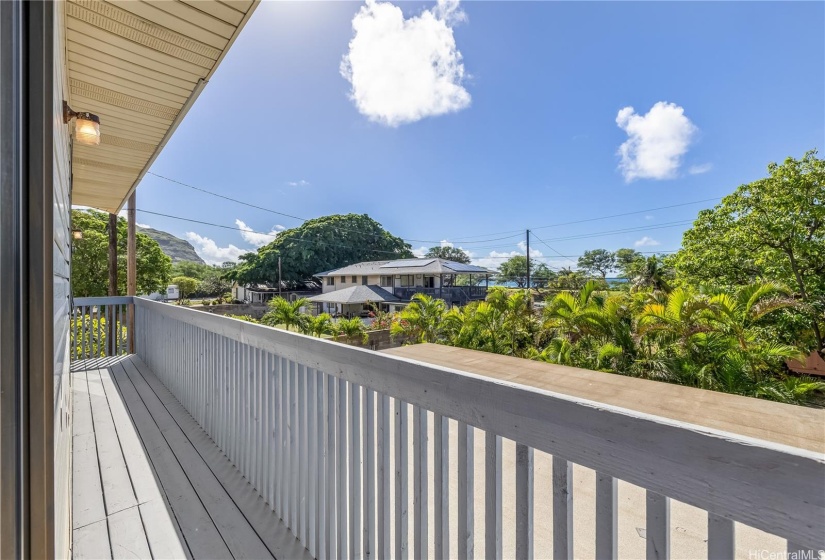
(528, 261)
(279, 276)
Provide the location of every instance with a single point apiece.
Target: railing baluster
(341, 457)
(562, 508)
(721, 537)
(607, 516)
(368, 433)
(303, 458)
(802, 552)
(312, 470)
(401, 482)
(524, 502)
(294, 467)
(492, 496)
(320, 474)
(420, 482)
(331, 511)
(441, 491)
(98, 353)
(466, 497)
(657, 527)
(384, 476)
(354, 471)
(285, 458)
(275, 432)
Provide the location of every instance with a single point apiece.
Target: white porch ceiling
(139, 65)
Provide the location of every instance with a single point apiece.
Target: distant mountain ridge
(177, 249)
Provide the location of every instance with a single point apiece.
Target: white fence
(313, 425)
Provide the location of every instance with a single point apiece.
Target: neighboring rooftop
(356, 294)
(406, 266)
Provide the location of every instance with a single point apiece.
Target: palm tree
(735, 314)
(573, 315)
(651, 274)
(421, 319)
(319, 325)
(286, 313)
(352, 329)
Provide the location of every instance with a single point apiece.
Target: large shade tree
(772, 229)
(90, 264)
(598, 261)
(320, 244)
(448, 253)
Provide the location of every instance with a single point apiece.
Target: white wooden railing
(313, 426)
(99, 327)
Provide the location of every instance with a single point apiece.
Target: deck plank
(201, 535)
(127, 535)
(162, 532)
(117, 487)
(271, 530)
(91, 541)
(240, 538)
(87, 492)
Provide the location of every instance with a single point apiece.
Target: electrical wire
(465, 240)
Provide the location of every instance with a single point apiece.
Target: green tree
(191, 269)
(317, 245)
(448, 253)
(284, 312)
(90, 265)
(598, 261)
(421, 320)
(771, 229)
(514, 269)
(318, 325)
(352, 329)
(626, 259)
(542, 276)
(186, 285)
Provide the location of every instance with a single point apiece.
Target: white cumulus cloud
(209, 251)
(656, 141)
(699, 169)
(646, 242)
(299, 183)
(258, 239)
(405, 69)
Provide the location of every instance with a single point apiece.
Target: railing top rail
(105, 300)
(772, 487)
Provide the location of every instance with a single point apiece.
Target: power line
(609, 216)
(466, 240)
(273, 235)
(271, 211)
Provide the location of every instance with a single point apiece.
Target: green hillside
(179, 250)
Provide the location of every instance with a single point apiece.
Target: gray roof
(406, 266)
(356, 294)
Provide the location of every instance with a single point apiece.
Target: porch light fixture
(77, 234)
(86, 128)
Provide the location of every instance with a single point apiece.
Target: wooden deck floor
(149, 483)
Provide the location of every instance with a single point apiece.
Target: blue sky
(522, 129)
